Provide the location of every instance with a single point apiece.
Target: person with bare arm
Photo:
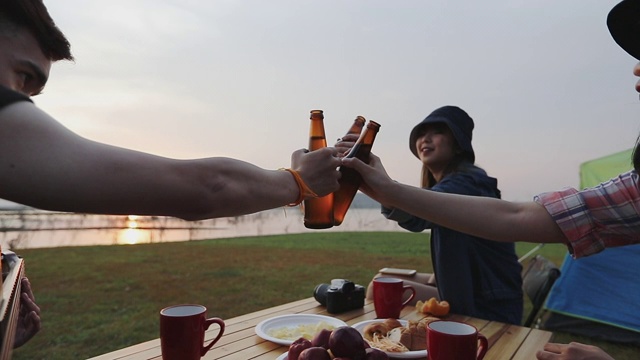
(45, 165)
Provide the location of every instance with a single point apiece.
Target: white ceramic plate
(283, 356)
(395, 355)
(262, 329)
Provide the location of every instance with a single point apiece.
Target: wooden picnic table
(240, 341)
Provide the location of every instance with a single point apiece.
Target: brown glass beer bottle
(351, 179)
(358, 124)
(318, 212)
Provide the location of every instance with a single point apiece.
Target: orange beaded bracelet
(304, 190)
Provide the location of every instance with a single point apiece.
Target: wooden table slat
(509, 342)
(535, 341)
(240, 342)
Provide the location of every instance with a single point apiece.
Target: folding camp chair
(537, 279)
(530, 252)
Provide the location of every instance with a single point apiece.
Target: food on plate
(414, 336)
(433, 307)
(321, 339)
(375, 354)
(384, 343)
(392, 323)
(411, 337)
(314, 353)
(297, 347)
(343, 343)
(380, 329)
(377, 329)
(347, 342)
(306, 331)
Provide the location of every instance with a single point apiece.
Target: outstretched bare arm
(484, 217)
(45, 165)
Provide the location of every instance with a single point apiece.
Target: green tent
(599, 295)
(600, 170)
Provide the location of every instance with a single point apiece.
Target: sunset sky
(546, 85)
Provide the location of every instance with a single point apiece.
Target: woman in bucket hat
(485, 281)
(587, 221)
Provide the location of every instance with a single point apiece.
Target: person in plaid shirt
(599, 217)
(587, 221)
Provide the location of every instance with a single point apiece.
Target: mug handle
(482, 347)
(208, 323)
(413, 293)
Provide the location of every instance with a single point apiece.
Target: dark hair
(33, 15)
(459, 163)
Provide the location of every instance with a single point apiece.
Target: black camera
(340, 296)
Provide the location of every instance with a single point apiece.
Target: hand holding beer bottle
(330, 210)
(345, 143)
(318, 212)
(350, 180)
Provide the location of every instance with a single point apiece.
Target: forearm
(245, 188)
(79, 175)
(230, 187)
(187, 189)
(480, 216)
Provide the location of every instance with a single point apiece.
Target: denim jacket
(478, 277)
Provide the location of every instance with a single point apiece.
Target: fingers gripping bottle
(318, 212)
(356, 127)
(350, 180)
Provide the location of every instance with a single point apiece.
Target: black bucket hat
(624, 25)
(460, 123)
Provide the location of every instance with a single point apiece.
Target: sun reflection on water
(132, 222)
(132, 235)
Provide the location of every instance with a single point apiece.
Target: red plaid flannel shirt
(596, 218)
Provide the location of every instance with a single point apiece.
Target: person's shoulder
(470, 171)
(8, 96)
(470, 180)
(473, 169)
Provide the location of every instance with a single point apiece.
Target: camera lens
(320, 293)
(348, 287)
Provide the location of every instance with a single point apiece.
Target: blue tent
(599, 295)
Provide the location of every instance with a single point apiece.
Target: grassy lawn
(98, 299)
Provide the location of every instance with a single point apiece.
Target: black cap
(460, 123)
(624, 25)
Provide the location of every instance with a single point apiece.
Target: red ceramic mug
(452, 340)
(387, 297)
(182, 330)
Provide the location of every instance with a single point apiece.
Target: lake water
(37, 229)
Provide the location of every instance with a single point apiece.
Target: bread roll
(392, 323)
(414, 336)
(378, 329)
